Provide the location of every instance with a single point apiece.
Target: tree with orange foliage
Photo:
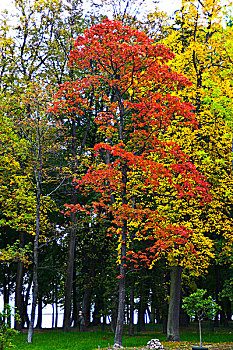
(130, 81)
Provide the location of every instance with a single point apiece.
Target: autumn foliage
(135, 90)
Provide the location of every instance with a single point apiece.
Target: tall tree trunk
(53, 315)
(174, 305)
(38, 177)
(56, 315)
(199, 323)
(56, 306)
(114, 318)
(141, 313)
(121, 301)
(69, 272)
(35, 266)
(86, 304)
(19, 288)
(75, 306)
(72, 146)
(131, 310)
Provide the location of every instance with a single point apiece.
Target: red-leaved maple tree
(135, 101)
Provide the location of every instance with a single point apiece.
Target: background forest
(116, 187)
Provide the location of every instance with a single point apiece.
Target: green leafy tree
(199, 305)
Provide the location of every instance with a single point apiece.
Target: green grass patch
(57, 340)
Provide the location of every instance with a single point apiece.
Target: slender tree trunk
(121, 301)
(25, 304)
(53, 315)
(35, 267)
(142, 310)
(72, 146)
(131, 310)
(174, 305)
(35, 281)
(199, 322)
(75, 308)
(38, 177)
(56, 306)
(69, 273)
(56, 315)
(86, 304)
(19, 288)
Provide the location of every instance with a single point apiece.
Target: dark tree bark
(228, 309)
(121, 302)
(69, 273)
(73, 147)
(56, 314)
(141, 312)
(174, 305)
(56, 305)
(37, 152)
(164, 322)
(114, 319)
(75, 306)
(35, 267)
(131, 310)
(53, 315)
(223, 317)
(86, 304)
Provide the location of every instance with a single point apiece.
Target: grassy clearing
(220, 339)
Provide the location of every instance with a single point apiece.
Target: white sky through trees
(168, 6)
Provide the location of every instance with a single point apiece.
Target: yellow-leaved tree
(203, 53)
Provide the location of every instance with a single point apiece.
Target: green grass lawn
(57, 340)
